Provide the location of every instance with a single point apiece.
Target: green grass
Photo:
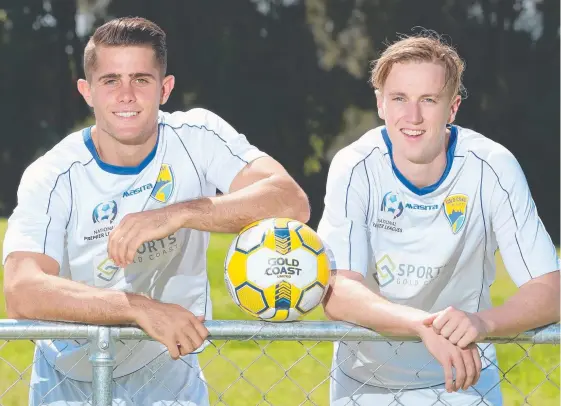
(264, 364)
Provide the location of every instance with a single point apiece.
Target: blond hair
(423, 48)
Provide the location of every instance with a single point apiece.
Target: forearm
(270, 197)
(532, 306)
(352, 301)
(48, 297)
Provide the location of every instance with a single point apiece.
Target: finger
(460, 368)
(115, 235)
(173, 349)
(469, 337)
(123, 244)
(200, 327)
(458, 333)
(193, 334)
(469, 363)
(185, 345)
(440, 321)
(449, 328)
(132, 247)
(477, 362)
(430, 319)
(118, 238)
(448, 376)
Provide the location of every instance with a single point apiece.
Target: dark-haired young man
(112, 225)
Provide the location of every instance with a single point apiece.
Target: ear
(85, 91)
(167, 86)
(454, 106)
(380, 104)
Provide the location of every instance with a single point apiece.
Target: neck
(424, 174)
(115, 153)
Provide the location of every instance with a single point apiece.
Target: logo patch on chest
(455, 209)
(165, 183)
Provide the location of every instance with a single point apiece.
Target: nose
(126, 94)
(413, 113)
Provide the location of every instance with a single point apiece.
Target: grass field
(264, 364)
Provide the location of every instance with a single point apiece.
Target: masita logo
(414, 206)
(138, 190)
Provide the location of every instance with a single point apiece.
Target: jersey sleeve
(343, 226)
(225, 152)
(38, 223)
(526, 247)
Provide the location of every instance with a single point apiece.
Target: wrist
(178, 215)
(138, 303)
(488, 322)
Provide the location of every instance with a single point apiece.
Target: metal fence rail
(103, 339)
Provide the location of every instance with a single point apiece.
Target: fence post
(103, 361)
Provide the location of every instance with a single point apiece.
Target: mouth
(126, 114)
(412, 134)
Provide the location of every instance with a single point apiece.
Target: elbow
(300, 205)
(13, 305)
(330, 307)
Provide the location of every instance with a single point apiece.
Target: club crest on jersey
(455, 208)
(164, 184)
(105, 211)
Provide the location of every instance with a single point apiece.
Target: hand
(460, 328)
(138, 228)
(172, 325)
(466, 362)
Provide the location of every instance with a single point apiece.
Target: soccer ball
(277, 269)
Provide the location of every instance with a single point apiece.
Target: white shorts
(348, 391)
(161, 382)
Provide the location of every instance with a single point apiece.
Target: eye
(398, 98)
(429, 100)
(110, 82)
(141, 81)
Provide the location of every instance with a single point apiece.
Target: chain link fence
(252, 363)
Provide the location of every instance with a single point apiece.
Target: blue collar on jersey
(449, 160)
(118, 170)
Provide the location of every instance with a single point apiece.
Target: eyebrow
(433, 95)
(131, 75)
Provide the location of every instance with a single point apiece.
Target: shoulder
(193, 119)
(493, 154)
(59, 160)
(370, 145)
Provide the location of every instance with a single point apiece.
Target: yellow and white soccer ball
(277, 269)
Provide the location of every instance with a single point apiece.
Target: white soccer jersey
(430, 247)
(69, 201)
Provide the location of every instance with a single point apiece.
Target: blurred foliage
(292, 75)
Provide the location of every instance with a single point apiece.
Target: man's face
(125, 90)
(416, 108)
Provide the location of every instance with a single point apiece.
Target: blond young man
(414, 212)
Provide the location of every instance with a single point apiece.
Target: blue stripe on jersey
(511, 209)
(449, 160)
(347, 198)
(202, 127)
(189, 155)
(118, 170)
(51, 195)
(485, 235)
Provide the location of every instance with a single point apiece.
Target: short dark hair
(127, 31)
